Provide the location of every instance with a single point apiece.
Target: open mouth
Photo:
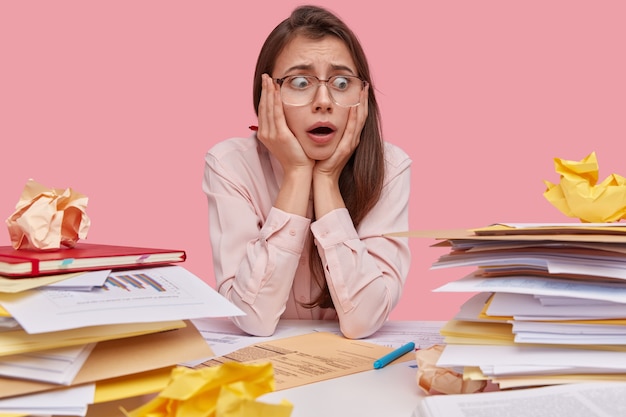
(323, 130)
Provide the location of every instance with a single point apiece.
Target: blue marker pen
(391, 356)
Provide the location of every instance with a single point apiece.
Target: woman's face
(319, 125)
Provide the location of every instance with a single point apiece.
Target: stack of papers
(549, 304)
(102, 335)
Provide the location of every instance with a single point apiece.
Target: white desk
(388, 392)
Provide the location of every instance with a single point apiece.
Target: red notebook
(83, 257)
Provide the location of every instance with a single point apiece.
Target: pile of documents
(73, 339)
(548, 304)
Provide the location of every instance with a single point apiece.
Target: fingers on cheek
(362, 117)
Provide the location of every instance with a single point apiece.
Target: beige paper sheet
(18, 341)
(312, 357)
(15, 285)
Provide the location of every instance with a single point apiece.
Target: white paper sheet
(71, 401)
(397, 333)
(225, 337)
(57, 366)
(592, 265)
(525, 306)
(86, 281)
(133, 296)
(568, 400)
(479, 355)
(521, 284)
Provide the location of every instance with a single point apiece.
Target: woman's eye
(299, 83)
(341, 83)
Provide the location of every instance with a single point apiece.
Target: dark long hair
(361, 180)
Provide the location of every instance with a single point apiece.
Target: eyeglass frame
(320, 82)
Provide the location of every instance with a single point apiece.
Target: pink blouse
(260, 253)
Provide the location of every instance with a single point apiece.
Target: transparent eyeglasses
(300, 90)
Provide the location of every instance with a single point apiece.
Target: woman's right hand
(273, 131)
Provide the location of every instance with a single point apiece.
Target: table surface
(390, 391)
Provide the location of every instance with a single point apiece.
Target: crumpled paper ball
(227, 390)
(437, 380)
(579, 195)
(48, 218)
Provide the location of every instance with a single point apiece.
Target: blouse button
(292, 232)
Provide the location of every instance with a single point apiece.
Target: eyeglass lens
(299, 90)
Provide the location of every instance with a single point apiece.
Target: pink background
(119, 100)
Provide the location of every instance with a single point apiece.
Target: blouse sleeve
(365, 270)
(254, 258)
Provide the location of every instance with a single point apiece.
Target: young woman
(298, 211)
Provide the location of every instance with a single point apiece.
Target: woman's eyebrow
(300, 67)
(342, 68)
(309, 67)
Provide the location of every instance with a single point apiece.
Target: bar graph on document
(121, 287)
(130, 282)
(130, 296)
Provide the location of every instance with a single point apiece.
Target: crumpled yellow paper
(579, 195)
(436, 380)
(48, 218)
(227, 390)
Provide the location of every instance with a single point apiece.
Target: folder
(17, 263)
(551, 228)
(14, 342)
(123, 357)
(607, 235)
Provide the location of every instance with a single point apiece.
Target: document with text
(567, 400)
(308, 358)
